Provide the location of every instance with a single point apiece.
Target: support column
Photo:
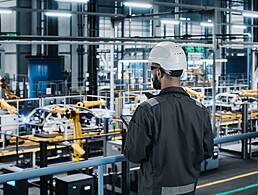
(244, 130)
(92, 49)
(51, 28)
(74, 54)
(81, 49)
(248, 21)
(36, 26)
(24, 27)
(255, 54)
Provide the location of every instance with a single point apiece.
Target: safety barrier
(65, 167)
(98, 162)
(232, 138)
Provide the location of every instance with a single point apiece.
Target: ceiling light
(211, 60)
(206, 24)
(248, 34)
(167, 21)
(5, 11)
(133, 61)
(73, 1)
(251, 15)
(58, 14)
(138, 5)
(182, 18)
(239, 26)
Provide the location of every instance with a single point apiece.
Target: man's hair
(176, 73)
(172, 73)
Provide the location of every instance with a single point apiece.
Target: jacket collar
(173, 90)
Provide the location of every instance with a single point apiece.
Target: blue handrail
(232, 138)
(60, 168)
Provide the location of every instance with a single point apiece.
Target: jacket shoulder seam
(152, 102)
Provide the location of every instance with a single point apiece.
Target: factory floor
(234, 176)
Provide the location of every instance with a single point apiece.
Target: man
(169, 134)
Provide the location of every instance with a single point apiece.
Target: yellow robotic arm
(7, 92)
(91, 104)
(193, 93)
(74, 114)
(5, 106)
(249, 93)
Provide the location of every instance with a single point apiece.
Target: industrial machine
(8, 94)
(249, 93)
(91, 104)
(8, 121)
(197, 72)
(42, 119)
(198, 95)
(76, 184)
(74, 115)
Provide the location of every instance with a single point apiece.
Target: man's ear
(159, 74)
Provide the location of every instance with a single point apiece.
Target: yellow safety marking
(226, 180)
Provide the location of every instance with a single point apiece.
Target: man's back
(176, 137)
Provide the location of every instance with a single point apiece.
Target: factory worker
(170, 134)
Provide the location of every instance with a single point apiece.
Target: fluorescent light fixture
(73, 1)
(182, 18)
(138, 5)
(206, 24)
(251, 15)
(211, 60)
(5, 11)
(207, 61)
(239, 26)
(133, 61)
(58, 14)
(168, 21)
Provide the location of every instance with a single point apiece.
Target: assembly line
(128, 97)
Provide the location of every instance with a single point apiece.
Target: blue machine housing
(45, 72)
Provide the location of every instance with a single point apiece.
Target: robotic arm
(91, 104)
(74, 115)
(5, 106)
(193, 93)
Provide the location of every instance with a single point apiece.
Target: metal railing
(65, 167)
(97, 162)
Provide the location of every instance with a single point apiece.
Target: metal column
(23, 27)
(52, 28)
(100, 180)
(112, 63)
(125, 169)
(92, 52)
(214, 40)
(81, 49)
(244, 129)
(43, 163)
(249, 22)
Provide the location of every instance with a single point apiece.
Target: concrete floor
(227, 177)
(234, 173)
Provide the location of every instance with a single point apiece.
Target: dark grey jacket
(169, 135)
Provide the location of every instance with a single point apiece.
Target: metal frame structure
(100, 163)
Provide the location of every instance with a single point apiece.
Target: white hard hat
(169, 56)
